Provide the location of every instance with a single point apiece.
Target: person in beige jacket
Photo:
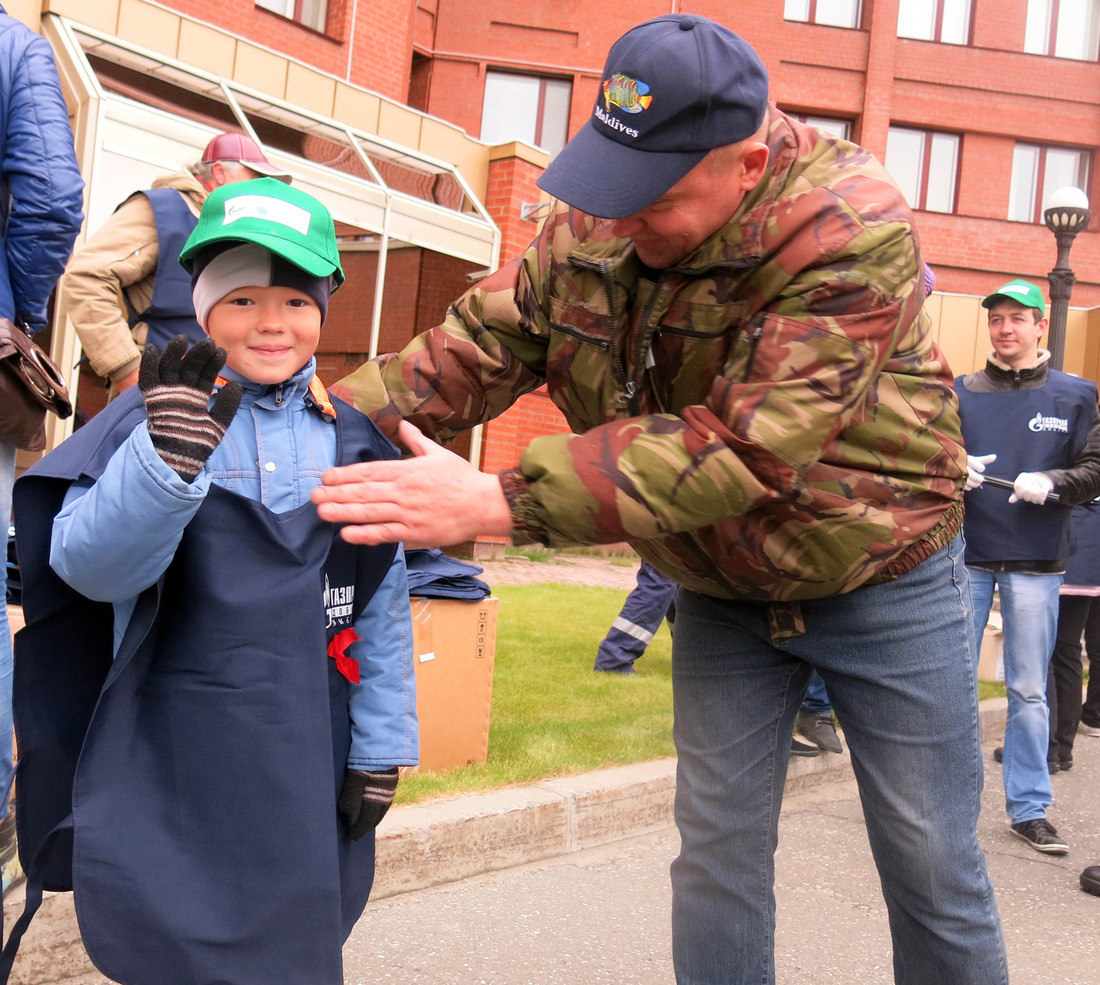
(118, 293)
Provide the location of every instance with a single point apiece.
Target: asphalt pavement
(602, 915)
(567, 883)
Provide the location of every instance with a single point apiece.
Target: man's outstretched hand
(434, 499)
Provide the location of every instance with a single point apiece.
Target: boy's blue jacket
(205, 743)
(109, 554)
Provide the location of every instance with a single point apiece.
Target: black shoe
(1065, 765)
(625, 669)
(999, 754)
(1039, 833)
(803, 749)
(1090, 880)
(819, 729)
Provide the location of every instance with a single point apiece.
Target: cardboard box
(454, 646)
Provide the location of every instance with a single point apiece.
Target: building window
(925, 166)
(1063, 28)
(528, 108)
(946, 21)
(311, 13)
(1037, 171)
(836, 13)
(838, 128)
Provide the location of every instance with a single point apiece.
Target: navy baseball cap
(673, 88)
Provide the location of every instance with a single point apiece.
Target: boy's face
(268, 333)
(1015, 331)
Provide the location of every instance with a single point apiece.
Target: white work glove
(975, 465)
(1031, 487)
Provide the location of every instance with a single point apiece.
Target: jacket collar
(1034, 374)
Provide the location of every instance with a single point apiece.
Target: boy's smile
(268, 333)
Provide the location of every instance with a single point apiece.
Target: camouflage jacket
(770, 419)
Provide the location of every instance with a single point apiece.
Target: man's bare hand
(435, 499)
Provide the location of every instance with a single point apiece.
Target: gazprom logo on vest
(1040, 423)
(338, 602)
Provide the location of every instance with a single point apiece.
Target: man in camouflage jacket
(759, 409)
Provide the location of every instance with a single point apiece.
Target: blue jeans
(899, 661)
(817, 700)
(7, 767)
(1029, 614)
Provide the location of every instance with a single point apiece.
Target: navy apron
(171, 309)
(206, 843)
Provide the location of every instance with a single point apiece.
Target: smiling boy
(256, 694)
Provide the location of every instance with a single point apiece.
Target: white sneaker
(1090, 730)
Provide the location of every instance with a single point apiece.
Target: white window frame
(309, 13)
(1063, 29)
(943, 21)
(1035, 176)
(830, 13)
(934, 147)
(531, 108)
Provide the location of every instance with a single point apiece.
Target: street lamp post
(1066, 214)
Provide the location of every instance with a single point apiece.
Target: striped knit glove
(177, 387)
(365, 798)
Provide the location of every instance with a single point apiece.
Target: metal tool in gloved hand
(364, 799)
(1050, 497)
(177, 386)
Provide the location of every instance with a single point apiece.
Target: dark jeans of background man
(1077, 615)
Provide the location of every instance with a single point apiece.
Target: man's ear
(1043, 323)
(754, 158)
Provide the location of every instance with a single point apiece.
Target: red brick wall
(532, 416)
(377, 58)
(511, 186)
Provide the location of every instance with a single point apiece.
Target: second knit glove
(365, 798)
(176, 386)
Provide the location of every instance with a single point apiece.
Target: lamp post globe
(1065, 213)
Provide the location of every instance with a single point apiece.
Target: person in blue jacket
(41, 210)
(1040, 430)
(230, 774)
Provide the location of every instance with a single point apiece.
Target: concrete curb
(429, 844)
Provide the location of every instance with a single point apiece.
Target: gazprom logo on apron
(1040, 423)
(338, 602)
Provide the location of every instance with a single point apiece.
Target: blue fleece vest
(1083, 566)
(202, 765)
(1029, 431)
(171, 311)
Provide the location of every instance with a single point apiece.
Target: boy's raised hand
(176, 386)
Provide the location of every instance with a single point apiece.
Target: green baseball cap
(279, 217)
(1021, 291)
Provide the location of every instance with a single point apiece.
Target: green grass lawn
(551, 714)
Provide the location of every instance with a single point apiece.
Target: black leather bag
(30, 385)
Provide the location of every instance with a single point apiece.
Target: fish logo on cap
(630, 95)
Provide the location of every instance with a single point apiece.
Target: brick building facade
(964, 111)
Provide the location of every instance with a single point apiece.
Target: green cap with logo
(1021, 291)
(279, 217)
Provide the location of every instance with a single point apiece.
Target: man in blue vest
(1038, 428)
(124, 286)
